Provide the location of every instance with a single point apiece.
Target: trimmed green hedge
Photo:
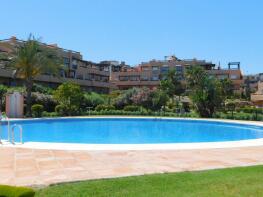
(104, 107)
(37, 110)
(10, 191)
(252, 110)
(133, 108)
(139, 113)
(240, 116)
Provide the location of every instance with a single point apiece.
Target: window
(134, 78)
(145, 68)
(66, 60)
(155, 78)
(74, 64)
(106, 68)
(154, 68)
(164, 69)
(88, 77)
(74, 61)
(62, 73)
(222, 76)
(233, 76)
(72, 74)
(179, 68)
(124, 78)
(144, 78)
(80, 76)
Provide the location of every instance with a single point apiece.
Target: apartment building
(257, 97)
(149, 74)
(91, 76)
(251, 81)
(107, 75)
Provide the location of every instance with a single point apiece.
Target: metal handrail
(8, 128)
(0, 133)
(13, 133)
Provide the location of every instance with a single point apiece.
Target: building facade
(149, 74)
(89, 75)
(251, 81)
(108, 75)
(257, 97)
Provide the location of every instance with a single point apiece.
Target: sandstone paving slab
(26, 167)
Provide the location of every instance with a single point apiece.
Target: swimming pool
(132, 131)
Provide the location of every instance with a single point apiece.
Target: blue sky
(140, 30)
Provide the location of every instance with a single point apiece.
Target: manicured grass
(246, 181)
(10, 191)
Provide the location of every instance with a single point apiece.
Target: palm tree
(31, 59)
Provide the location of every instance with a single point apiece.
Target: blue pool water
(132, 131)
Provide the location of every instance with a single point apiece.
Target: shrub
(46, 100)
(3, 91)
(92, 100)
(125, 98)
(247, 109)
(240, 116)
(37, 110)
(64, 110)
(104, 108)
(143, 97)
(59, 109)
(16, 89)
(69, 97)
(10, 191)
(252, 110)
(42, 89)
(139, 113)
(49, 114)
(132, 108)
(186, 107)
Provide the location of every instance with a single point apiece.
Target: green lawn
(246, 181)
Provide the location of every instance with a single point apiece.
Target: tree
(205, 91)
(143, 97)
(246, 93)
(93, 99)
(159, 99)
(3, 91)
(125, 98)
(30, 59)
(69, 96)
(171, 84)
(231, 106)
(227, 88)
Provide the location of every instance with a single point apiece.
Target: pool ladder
(13, 133)
(11, 136)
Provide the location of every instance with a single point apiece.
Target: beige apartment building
(149, 74)
(108, 75)
(257, 97)
(91, 76)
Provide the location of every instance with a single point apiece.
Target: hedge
(133, 108)
(10, 191)
(240, 116)
(37, 110)
(139, 113)
(104, 107)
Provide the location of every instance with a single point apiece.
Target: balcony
(51, 79)
(74, 66)
(137, 83)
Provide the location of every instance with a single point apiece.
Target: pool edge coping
(125, 147)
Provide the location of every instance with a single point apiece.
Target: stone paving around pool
(23, 166)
